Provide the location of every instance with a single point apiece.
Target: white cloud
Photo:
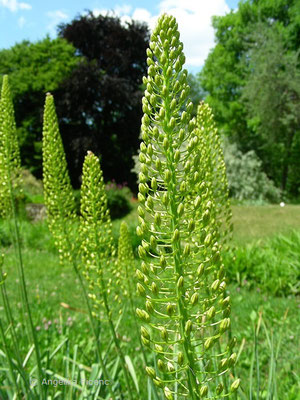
(15, 5)
(21, 22)
(194, 22)
(55, 18)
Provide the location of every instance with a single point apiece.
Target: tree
(34, 69)
(99, 106)
(227, 70)
(272, 95)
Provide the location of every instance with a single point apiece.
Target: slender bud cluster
(181, 278)
(125, 259)
(95, 231)
(213, 169)
(58, 193)
(10, 163)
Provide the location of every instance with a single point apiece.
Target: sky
(34, 19)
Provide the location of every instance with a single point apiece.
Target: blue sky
(33, 19)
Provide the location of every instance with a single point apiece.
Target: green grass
(50, 284)
(260, 222)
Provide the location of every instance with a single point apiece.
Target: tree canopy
(94, 70)
(99, 105)
(242, 74)
(34, 69)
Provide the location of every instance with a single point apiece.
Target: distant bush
(272, 266)
(247, 181)
(118, 199)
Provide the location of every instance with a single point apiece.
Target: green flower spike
(213, 169)
(59, 198)
(10, 163)
(95, 231)
(97, 247)
(183, 288)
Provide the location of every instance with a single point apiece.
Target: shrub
(246, 179)
(272, 266)
(118, 200)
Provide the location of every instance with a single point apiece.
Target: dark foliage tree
(99, 105)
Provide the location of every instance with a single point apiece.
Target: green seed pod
(158, 382)
(154, 184)
(163, 333)
(141, 251)
(215, 285)
(211, 313)
(139, 275)
(197, 202)
(208, 239)
(232, 359)
(235, 385)
(186, 250)
(180, 209)
(209, 343)
(149, 306)
(232, 343)
(145, 341)
(170, 367)
(182, 187)
(225, 302)
(154, 288)
(167, 176)
(203, 390)
(176, 235)
(191, 225)
(200, 270)
(168, 393)
(220, 388)
(144, 332)
(180, 282)
(165, 199)
(223, 364)
(224, 325)
(153, 242)
(161, 365)
(194, 298)
(188, 327)
(158, 348)
(140, 289)
(157, 219)
(151, 372)
(162, 261)
(227, 312)
(180, 358)
(170, 309)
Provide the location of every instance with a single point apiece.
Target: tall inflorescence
(213, 169)
(10, 163)
(185, 314)
(58, 193)
(95, 233)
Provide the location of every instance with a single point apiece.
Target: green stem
(137, 328)
(108, 314)
(23, 287)
(10, 364)
(11, 323)
(91, 318)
